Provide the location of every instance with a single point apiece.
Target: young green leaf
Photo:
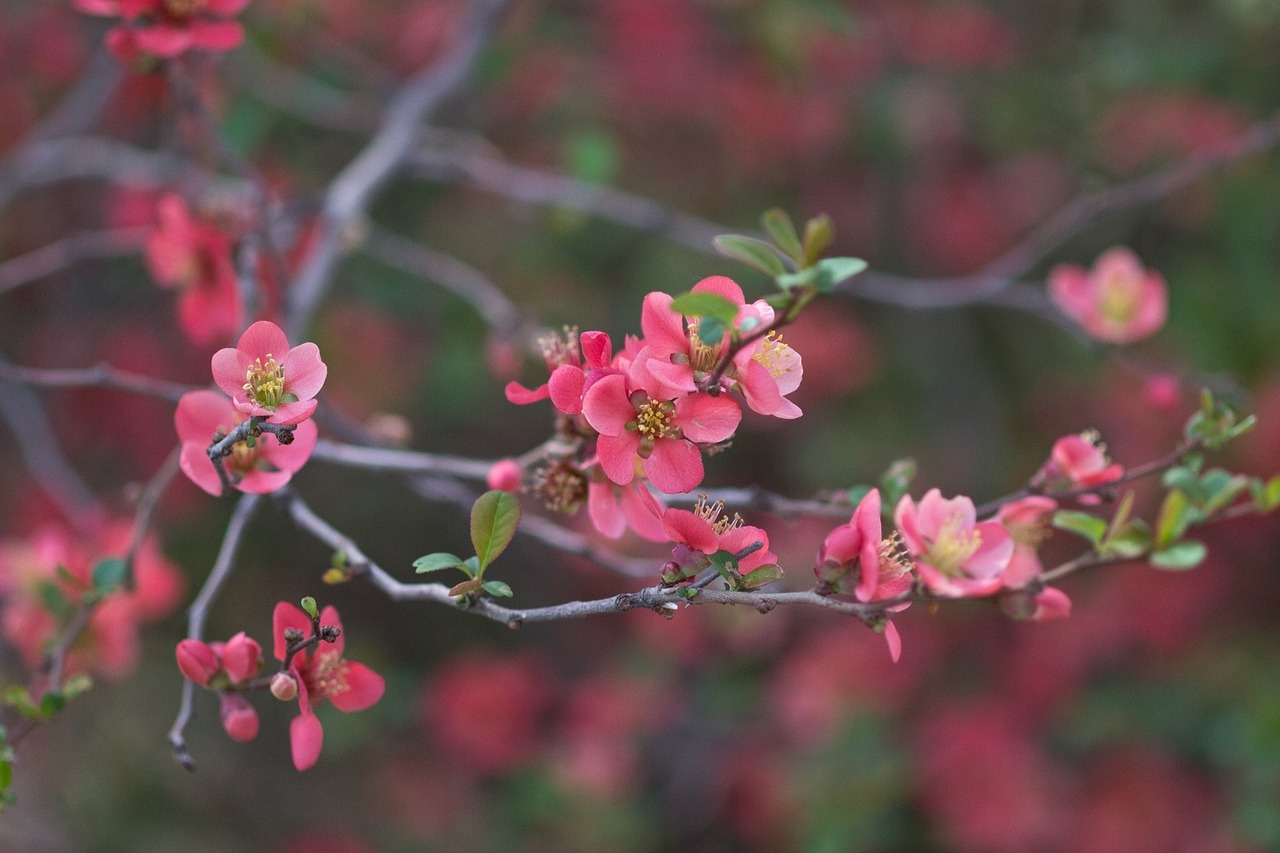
(782, 231)
(703, 304)
(309, 607)
(824, 275)
(497, 589)
(494, 519)
(109, 574)
(435, 562)
(818, 234)
(1186, 554)
(1082, 524)
(1174, 518)
(752, 252)
(1266, 496)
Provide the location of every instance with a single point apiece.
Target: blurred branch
(461, 279)
(356, 185)
(291, 92)
(199, 613)
(98, 376)
(60, 254)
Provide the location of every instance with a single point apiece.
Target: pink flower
(281, 390)
(1027, 521)
(1048, 604)
(569, 379)
(613, 508)
(505, 474)
(1082, 461)
(882, 573)
(1118, 301)
(644, 418)
(956, 556)
(705, 530)
(219, 665)
(322, 673)
(261, 468)
(168, 28)
(765, 371)
(239, 718)
(194, 258)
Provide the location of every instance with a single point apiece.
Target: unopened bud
(238, 717)
(505, 475)
(330, 633)
(292, 635)
(284, 687)
(197, 661)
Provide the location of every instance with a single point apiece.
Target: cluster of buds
(228, 669)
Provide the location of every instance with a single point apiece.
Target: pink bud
(505, 474)
(197, 661)
(241, 658)
(238, 717)
(284, 687)
(1163, 391)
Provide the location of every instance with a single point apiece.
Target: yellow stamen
(710, 511)
(953, 547)
(653, 420)
(264, 383)
(773, 354)
(560, 347)
(330, 675)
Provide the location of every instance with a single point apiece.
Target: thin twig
(98, 376)
(357, 184)
(60, 254)
(199, 614)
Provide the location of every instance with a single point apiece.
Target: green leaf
(818, 234)
(782, 231)
(6, 775)
(1266, 496)
(593, 157)
(1133, 540)
(1082, 524)
(762, 575)
(824, 275)
(494, 519)
(309, 607)
(711, 330)
(51, 703)
(19, 699)
(1182, 478)
(1221, 489)
(53, 599)
(752, 252)
(435, 562)
(471, 566)
(77, 684)
(109, 574)
(1173, 520)
(705, 305)
(895, 481)
(497, 589)
(1182, 555)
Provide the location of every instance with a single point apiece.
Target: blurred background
(935, 135)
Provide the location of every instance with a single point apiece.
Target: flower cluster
(313, 669)
(268, 384)
(164, 29)
(648, 412)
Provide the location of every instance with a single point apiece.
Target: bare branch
(199, 614)
(98, 376)
(355, 186)
(60, 254)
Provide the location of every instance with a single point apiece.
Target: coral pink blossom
(168, 28)
(505, 475)
(613, 509)
(705, 530)
(261, 468)
(956, 556)
(322, 673)
(239, 718)
(1118, 301)
(765, 371)
(194, 258)
(1082, 461)
(573, 365)
(267, 378)
(643, 418)
(1027, 521)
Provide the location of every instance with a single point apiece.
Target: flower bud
(284, 686)
(241, 658)
(197, 661)
(504, 474)
(239, 717)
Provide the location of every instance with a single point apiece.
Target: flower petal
(704, 418)
(304, 372)
(263, 339)
(364, 688)
(663, 328)
(618, 456)
(285, 616)
(200, 414)
(675, 466)
(522, 396)
(608, 409)
(306, 737)
(566, 385)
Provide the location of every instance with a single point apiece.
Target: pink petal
(1152, 309)
(198, 467)
(760, 388)
(663, 379)
(225, 8)
(264, 482)
(197, 661)
(895, 642)
(306, 737)
(98, 7)
(1070, 290)
(230, 367)
(304, 372)
(522, 396)
(618, 456)
(240, 657)
(639, 517)
(285, 616)
(239, 718)
(216, 35)
(162, 40)
(992, 556)
(721, 286)
(263, 339)
(689, 528)
(906, 519)
(604, 510)
(565, 386)
(200, 414)
(788, 411)
(609, 410)
(663, 328)
(597, 350)
(842, 545)
(675, 466)
(289, 413)
(209, 313)
(704, 418)
(739, 539)
(364, 688)
(1051, 604)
